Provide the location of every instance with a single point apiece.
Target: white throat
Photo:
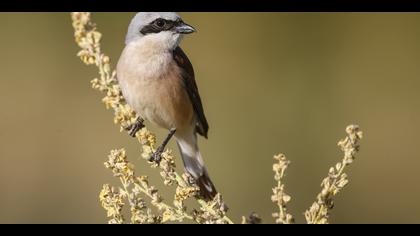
(160, 42)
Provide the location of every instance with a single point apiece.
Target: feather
(190, 85)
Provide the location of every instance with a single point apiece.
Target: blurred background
(270, 83)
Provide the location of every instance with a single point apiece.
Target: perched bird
(157, 80)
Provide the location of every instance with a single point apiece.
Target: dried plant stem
(279, 196)
(181, 182)
(336, 180)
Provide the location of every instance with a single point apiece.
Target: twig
(279, 196)
(318, 213)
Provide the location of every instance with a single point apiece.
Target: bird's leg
(134, 128)
(156, 155)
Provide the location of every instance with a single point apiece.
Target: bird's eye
(160, 23)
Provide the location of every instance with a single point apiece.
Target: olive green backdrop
(270, 82)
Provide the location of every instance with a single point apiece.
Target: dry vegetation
(135, 189)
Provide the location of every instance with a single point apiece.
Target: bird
(157, 80)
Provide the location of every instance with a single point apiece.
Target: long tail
(194, 165)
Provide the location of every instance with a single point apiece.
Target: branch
(336, 180)
(279, 196)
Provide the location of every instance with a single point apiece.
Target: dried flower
(279, 196)
(112, 201)
(336, 180)
(253, 219)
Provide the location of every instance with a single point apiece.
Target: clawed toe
(156, 157)
(134, 128)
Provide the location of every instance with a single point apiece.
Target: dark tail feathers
(207, 189)
(194, 165)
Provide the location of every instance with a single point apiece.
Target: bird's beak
(183, 28)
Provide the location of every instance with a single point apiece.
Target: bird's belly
(160, 99)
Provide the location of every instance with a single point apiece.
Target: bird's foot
(134, 128)
(156, 156)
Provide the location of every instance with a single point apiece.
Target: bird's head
(164, 27)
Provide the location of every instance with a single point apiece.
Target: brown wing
(188, 80)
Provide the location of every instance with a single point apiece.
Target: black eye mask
(156, 26)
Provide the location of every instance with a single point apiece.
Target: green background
(270, 83)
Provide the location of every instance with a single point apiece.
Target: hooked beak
(183, 28)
